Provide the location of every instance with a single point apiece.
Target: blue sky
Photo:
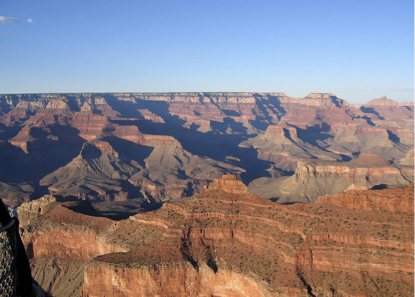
(358, 50)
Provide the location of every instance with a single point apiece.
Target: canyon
(211, 194)
(158, 147)
(226, 241)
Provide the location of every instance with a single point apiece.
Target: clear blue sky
(357, 49)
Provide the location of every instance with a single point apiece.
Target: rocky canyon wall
(228, 242)
(166, 146)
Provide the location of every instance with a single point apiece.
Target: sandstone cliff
(228, 242)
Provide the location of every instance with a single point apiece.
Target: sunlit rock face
(223, 242)
(228, 183)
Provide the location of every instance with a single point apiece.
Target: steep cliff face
(230, 238)
(229, 243)
(61, 236)
(179, 281)
(315, 178)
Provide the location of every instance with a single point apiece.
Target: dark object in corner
(15, 277)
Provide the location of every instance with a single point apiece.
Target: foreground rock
(227, 242)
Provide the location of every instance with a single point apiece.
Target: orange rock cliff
(227, 242)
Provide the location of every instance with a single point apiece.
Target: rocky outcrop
(229, 243)
(30, 211)
(383, 101)
(59, 105)
(228, 183)
(390, 200)
(61, 236)
(316, 178)
(180, 281)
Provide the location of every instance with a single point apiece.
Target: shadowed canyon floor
(227, 242)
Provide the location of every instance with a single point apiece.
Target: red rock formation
(228, 183)
(62, 241)
(392, 200)
(359, 243)
(180, 281)
(259, 133)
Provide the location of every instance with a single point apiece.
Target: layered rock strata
(316, 178)
(223, 242)
(252, 135)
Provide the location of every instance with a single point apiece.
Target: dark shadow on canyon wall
(216, 144)
(315, 134)
(130, 150)
(371, 110)
(44, 155)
